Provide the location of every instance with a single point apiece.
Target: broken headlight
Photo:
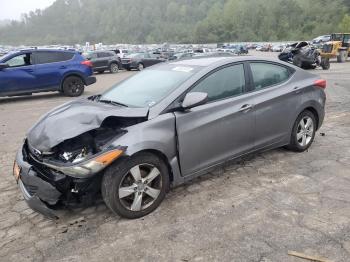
(89, 166)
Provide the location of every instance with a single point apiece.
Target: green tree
(180, 21)
(344, 25)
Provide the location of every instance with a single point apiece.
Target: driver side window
(20, 60)
(224, 83)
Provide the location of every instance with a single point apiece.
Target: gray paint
(208, 134)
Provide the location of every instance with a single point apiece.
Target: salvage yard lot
(255, 209)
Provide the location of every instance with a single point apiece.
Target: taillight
(87, 63)
(321, 83)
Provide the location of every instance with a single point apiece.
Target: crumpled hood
(74, 118)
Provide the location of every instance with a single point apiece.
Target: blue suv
(41, 70)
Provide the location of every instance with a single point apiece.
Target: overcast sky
(12, 9)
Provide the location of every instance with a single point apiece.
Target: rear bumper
(90, 80)
(321, 116)
(129, 65)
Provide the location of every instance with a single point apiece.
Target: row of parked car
(268, 47)
(68, 71)
(114, 60)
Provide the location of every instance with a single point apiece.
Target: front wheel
(113, 68)
(325, 64)
(73, 86)
(303, 132)
(135, 187)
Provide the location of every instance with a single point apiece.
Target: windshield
(136, 55)
(148, 87)
(4, 57)
(337, 37)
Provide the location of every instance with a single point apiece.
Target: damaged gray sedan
(162, 127)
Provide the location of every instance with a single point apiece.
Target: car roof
(204, 61)
(47, 50)
(211, 61)
(100, 51)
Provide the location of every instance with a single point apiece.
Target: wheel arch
(113, 62)
(72, 74)
(160, 155)
(315, 113)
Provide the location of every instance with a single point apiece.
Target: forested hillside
(177, 21)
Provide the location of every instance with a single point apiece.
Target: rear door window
(102, 54)
(52, 57)
(266, 74)
(224, 83)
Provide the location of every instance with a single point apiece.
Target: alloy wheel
(140, 187)
(140, 67)
(305, 131)
(75, 86)
(114, 68)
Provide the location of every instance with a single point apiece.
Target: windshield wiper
(111, 102)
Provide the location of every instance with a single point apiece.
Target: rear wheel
(136, 187)
(303, 132)
(113, 68)
(73, 86)
(341, 58)
(140, 67)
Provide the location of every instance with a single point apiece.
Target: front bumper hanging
(38, 193)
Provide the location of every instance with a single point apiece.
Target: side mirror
(194, 99)
(3, 66)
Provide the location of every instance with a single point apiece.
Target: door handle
(296, 90)
(245, 108)
(29, 70)
(63, 67)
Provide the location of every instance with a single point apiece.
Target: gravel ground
(252, 210)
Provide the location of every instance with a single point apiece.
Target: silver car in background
(164, 126)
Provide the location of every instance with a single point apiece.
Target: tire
(100, 71)
(298, 135)
(325, 64)
(341, 58)
(118, 176)
(297, 62)
(73, 86)
(140, 67)
(113, 68)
